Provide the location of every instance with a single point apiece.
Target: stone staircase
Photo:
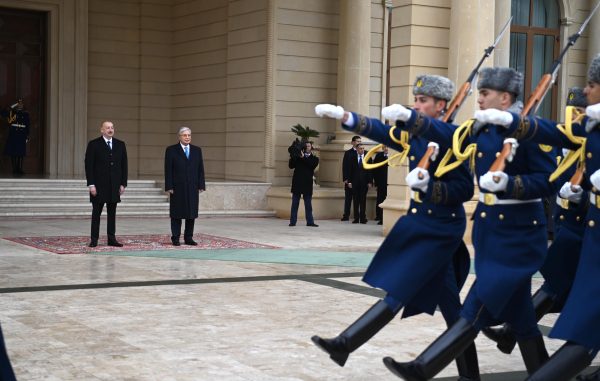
(69, 198)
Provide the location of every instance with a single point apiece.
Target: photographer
(304, 163)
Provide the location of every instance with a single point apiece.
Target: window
(534, 44)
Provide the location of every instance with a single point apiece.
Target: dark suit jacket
(106, 169)
(185, 177)
(359, 176)
(304, 169)
(349, 157)
(380, 174)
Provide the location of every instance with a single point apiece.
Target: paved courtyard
(236, 313)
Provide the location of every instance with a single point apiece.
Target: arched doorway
(23, 75)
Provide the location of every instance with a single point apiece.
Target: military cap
(576, 97)
(434, 86)
(501, 79)
(594, 71)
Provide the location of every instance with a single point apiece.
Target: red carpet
(78, 245)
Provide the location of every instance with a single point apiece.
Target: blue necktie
(359, 160)
(187, 151)
(109, 146)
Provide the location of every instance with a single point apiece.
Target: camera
(296, 148)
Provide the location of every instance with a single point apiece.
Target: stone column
(502, 50)
(353, 76)
(471, 31)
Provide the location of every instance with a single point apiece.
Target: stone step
(71, 183)
(72, 199)
(31, 191)
(134, 213)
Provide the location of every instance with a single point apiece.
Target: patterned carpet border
(148, 242)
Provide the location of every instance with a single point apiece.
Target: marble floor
(244, 314)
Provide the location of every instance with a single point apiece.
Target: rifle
(545, 83)
(463, 92)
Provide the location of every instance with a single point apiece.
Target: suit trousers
(188, 233)
(307, 208)
(381, 196)
(347, 200)
(111, 210)
(360, 203)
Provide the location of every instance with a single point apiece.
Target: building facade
(240, 73)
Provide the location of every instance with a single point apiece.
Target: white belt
(492, 199)
(18, 125)
(562, 202)
(595, 199)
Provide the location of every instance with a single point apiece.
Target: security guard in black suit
(18, 135)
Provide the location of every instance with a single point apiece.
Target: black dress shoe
(291, 224)
(313, 225)
(93, 243)
(175, 242)
(380, 223)
(191, 242)
(363, 221)
(355, 221)
(345, 219)
(115, 243)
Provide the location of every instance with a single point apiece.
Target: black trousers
(188, 233)
(111, 209)
(381, 195)
(347, 200)
(360, 203)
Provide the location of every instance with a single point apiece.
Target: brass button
(453, 214)
(412, 158)
(501, 216)
(561, 217)
(483, 215)
(535, 222)
(429, 211)
(589, 155)
(414, 210)
(497, 154)
(486, 130)
(577, 218)
(479, 154)
(591, 223)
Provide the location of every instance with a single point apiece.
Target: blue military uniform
(18, 134)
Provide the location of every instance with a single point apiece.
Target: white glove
(595, 179)
(593, 111)
(514, 144)
(570, 192)
(332, 111)
(494, 116)
(488, 181)
(396, 112)
(418, 179)
(436, 150)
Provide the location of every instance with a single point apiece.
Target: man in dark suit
(106, 174)
(360, 182)
(302, 183)
(18, 135)
(184, 180)
(349, 158)
(380, 179)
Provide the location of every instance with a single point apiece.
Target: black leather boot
(358, 333)
(564, 364)
(438, 355)
(534, 353)
(504, 336)
(467, 365)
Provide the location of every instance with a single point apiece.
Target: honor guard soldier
(563, 254)
(581, 312)
(18, 135)
(509, 233)
(414, 264)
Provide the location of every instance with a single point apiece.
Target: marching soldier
(414, 264)
(509, 233)
(581, 313)
(18, 135)
(563, 254)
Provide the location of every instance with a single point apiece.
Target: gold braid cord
(578, 155)
(458, 138)
(393, 161)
